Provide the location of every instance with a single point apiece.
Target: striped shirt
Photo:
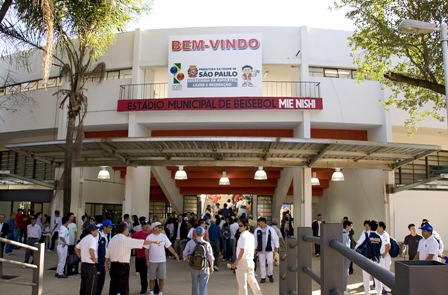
(120, 246)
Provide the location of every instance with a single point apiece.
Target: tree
(410, 65)
(82, 32)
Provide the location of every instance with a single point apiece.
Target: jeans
(9, 247)
(215, 248)
(199, 281)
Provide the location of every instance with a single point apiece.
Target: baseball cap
(107, 222)
(427, 227)
(33, 217)
(155, 224)
(91, 228)
(200, 230)
(185, 218)
(144, 222)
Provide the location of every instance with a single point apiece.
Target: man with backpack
(200, 259)
(373, 241)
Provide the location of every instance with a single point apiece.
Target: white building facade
(288, 56)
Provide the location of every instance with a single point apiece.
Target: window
(29, 86)
(316, 72)
(2, 91)
(344, 74)
(13, 89)
(126, 74)
(331, 73)
(113, 75)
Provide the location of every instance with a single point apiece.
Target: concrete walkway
(178, 281)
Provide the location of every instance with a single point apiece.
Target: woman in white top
(244, 264)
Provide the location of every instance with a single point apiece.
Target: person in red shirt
(22, 221)
(140, 259)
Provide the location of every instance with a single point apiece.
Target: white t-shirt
(385, 240)
(428, 246)
(246, 242)
(63, 233)
(233, 228)
(87, 243)
(157, 252)
(57, 223)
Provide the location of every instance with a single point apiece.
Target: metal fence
(38, 267)
(296, 273)
(270, 89)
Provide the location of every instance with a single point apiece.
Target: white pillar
(307, 199)
(136, 197)
(297, 196)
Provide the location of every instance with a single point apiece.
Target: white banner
(215, 65)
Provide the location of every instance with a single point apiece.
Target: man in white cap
(200, 277)
(156, 259)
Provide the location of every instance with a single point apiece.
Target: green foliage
(379, 50)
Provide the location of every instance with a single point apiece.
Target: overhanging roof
(230, 151)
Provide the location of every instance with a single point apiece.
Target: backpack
(394, 250)
(197, 260)
(365, 249)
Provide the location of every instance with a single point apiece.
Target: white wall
(359, 197)
(413, 206)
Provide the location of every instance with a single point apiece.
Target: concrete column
(307, 199)
(136, 197)
(297, 196)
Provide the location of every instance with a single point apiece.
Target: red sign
(221, 104)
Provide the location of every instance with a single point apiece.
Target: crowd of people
(227, 237)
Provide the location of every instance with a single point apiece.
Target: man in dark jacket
(316, 232)
(180, 234)
(4, 231)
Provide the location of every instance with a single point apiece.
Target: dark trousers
(54, 238)
(316, 249)
(215, 248)
(119, 278)
(88, 279)
(140, 265)
(101, 270)
(28, 253)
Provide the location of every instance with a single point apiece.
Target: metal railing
(270, 89)
(296, 275)
(38, 267)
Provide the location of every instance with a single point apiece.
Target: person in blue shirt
(214, 235)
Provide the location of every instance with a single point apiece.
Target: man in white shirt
(86, 249)
(156, 256)
(428, 247)
(266, 243)
(54, 231)
(385, 259)
(62, 248)
(118, 256)
(34, 232)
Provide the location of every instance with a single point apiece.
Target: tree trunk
(4, 9)
(67, 178)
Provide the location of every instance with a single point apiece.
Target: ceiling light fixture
(315, 180)
(181, 174)
(103, 174)
(337, 175)
(224, 180)
(260, 174)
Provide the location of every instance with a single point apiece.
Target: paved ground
(178, 281)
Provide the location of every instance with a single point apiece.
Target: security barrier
(296, 273)
(38, 267)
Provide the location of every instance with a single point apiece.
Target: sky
(207, 13)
